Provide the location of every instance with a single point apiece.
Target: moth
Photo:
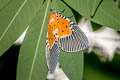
(65, 34)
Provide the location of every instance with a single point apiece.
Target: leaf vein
(13, 19)
(38, 42)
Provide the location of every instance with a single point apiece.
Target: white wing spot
(55, 31)
(51, 20)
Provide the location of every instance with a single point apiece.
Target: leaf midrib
(13, 19)
(37, 46)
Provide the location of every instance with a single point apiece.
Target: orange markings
(57, 27)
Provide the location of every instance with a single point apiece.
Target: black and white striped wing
(75, 42)
(52, 56)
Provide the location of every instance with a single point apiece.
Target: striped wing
(75, 42)
(52, 56)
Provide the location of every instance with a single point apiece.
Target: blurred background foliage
(94, 69)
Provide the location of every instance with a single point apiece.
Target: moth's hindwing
(75, 42)
(52, 55)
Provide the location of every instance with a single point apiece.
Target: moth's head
(52, 16)
(53, 11)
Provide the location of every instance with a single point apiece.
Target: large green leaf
(103, 12)
(81, 6)
(94, 4)
(72, 65)
(32, 61)
(108, 14)
(86, 8)
(3, 3)
(15, 16)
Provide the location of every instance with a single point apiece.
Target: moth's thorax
(57, 27)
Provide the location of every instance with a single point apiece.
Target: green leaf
(104, 12)
(15, 16)
(3, 3)
(93, 6)
(108, 14)
(81, 6)
(86, 8)
(32, 60)
(72, 65)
